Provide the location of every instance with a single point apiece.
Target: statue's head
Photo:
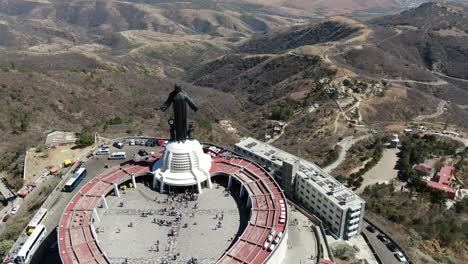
(177, 88)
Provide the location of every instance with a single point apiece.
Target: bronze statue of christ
(179, 99)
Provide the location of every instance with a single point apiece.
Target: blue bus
(76, 178)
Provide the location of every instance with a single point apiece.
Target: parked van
(117, 155)
(103, 151)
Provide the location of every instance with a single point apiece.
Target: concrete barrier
(25, 164)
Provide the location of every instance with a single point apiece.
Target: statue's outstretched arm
(191, 104)
(167, 103)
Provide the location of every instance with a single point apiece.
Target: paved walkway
(302, 246)
(364, 250)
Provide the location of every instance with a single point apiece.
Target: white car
(14, 210)
(400, 256)
(131, 142)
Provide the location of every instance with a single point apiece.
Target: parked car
(370, 228)
(118, 145)
(143, 152)
(382, 238)
(131, 142)
(150, 143)
(400, 256)
(6, 218)
(14, 210)
(392, 247)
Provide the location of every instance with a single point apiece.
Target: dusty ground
(383, 171)
(38, 162)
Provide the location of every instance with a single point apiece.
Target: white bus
(30, 246)
(76, 178)
(38, 219)
(117, 155)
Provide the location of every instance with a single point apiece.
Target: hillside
(440, 43)
(282, 67)
(329, 30)
(79, 64)
(320, 7)
(424, 48)
(247, 52)
(106, 66)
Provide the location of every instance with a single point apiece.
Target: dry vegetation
(81, 65)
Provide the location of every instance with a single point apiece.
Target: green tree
(346, 82)
(281, 113)
(85, 139)
(24, 119)
(461, 207)
(5, 246)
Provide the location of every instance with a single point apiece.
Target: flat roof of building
(60, 137)
(324, 182)
(446, 174)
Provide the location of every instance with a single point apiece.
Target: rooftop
(445, 174)
(60, 137)
(424, 168)
(267, 151)
(441, 187)
(324, 182)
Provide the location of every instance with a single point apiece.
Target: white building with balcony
(341, 211)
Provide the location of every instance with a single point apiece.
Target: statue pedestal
(183, 164)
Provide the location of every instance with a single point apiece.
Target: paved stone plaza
(302, 245)
(136, 232)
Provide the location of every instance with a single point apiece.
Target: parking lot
(58, 199)
(383, 249)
